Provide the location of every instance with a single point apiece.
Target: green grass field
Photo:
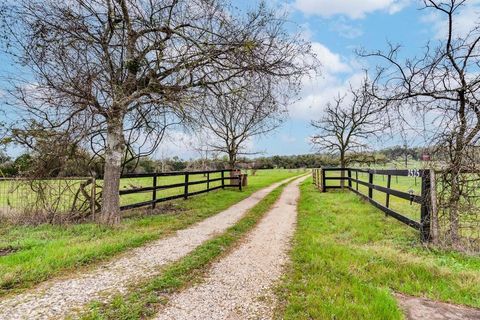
(132, 183)
(469, 218)
(405, 184)
(348, 259)
(59, 194)
(47, 250)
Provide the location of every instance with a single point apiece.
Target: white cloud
(354, 9)
(189, 145)
(331, 62)
(337, 74)
(178, 143)
(317, 92)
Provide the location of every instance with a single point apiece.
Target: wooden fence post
(208, 181)
(324, 185)
(425, 209)
(389, 183)
(223, 179)
(185, 192)
(370, 181)
(93, 197)
(240, 182)
(154, 191)
(349, 173)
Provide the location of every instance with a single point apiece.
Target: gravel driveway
(240, 285)
(59, 297)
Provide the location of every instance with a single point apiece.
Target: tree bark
(342, 172)
(232, 160)
(110, 214)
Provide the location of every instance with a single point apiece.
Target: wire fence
(57, 200)
(421, 199)
(35, 201)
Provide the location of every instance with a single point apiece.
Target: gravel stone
(58, 298)
(240, 285)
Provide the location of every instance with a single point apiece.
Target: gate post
(426, 205)
(349, 174)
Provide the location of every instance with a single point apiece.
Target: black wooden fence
(349, 179)
(223, 179)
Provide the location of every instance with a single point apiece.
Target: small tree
(348, 124)
(248, 109)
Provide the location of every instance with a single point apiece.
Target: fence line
(184, 185)
(320, 179)
(79, 198)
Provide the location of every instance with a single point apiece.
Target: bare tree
(444, 84)
(348, 124)
(121, 71)
(236, 113)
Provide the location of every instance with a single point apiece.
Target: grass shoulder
(144, 299)
(348, 259)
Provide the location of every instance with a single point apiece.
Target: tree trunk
(232, 160)
(342, 172)
(110, 214)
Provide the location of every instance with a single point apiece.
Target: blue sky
(335, 28)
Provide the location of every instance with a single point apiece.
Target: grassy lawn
(468, 220)
(47, 250)
(348, 259)
(144, 298)
(17, 194)
(405, 184)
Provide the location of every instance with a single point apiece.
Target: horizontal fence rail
(80, 198)
(183, 185)
(349, 178)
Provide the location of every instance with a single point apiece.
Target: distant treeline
(80, 163)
